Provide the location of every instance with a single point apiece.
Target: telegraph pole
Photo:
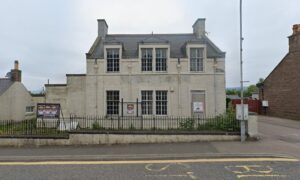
(243, 126)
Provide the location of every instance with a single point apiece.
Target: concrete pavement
(277, 137)
(275, 156)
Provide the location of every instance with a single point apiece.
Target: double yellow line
(213, 160)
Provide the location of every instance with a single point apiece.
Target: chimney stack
(199, 27)
(102, 28)
(16, 73)
(294, 39)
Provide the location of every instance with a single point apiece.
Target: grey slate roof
(130, 44)
(5, 83)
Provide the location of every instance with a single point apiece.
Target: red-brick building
(282, 87)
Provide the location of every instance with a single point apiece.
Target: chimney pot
(16, 65)
(296, 28)
(294, 39)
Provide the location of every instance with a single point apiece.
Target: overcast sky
(50, 37)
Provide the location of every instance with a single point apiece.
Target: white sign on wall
(198, 107)
(130, 108)
(265, 103)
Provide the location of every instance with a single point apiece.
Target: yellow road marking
(260, 175)
(167, 175)
(147, 161)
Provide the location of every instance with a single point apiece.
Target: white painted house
(15, 100)
(152, 74)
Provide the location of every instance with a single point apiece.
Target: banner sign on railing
(48, 110)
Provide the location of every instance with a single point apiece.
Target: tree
(260, 82)
(232, 92)
(250, 89)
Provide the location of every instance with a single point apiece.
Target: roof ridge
(150, 34)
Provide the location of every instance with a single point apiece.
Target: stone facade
(281, 87)
(86, 94)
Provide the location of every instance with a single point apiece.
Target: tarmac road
(209, 168)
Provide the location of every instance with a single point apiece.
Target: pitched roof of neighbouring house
(5, 83)
(130, 44)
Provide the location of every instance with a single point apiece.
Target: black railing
(31, 128)
(97, 124)
(224, 123)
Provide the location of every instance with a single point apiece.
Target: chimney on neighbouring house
(102, 28)
(16, 73)
(294, 39)
(199, 27)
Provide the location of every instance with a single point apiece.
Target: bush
(187, 124)
(224, 122)
(97, 126)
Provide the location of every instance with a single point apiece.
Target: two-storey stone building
(167, 74)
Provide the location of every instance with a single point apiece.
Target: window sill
(112, 71)
(149, 72)
(29, 113)
(198, 72)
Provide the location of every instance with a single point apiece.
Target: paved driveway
(278, 136)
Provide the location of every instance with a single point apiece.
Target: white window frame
(29, 109)
(108, 46)
(144, 60)
(188, 48)
(115, 60)
(196, 60)
(154, 47)
(106, 97)
(147, 103)
(161, 61)
(162, 101)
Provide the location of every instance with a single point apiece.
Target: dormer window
(146, 59)
(196, 59)
(161, 59)
(113, 60)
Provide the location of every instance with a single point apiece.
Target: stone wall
(96, 139)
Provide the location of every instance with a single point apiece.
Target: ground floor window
(112, 102)
(161, 102)
(29, 109)
(147, 102)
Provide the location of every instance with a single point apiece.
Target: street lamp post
(243, 126)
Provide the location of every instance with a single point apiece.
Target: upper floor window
(196, 59)
(147, 59)
(161, 59)
(113, 60)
